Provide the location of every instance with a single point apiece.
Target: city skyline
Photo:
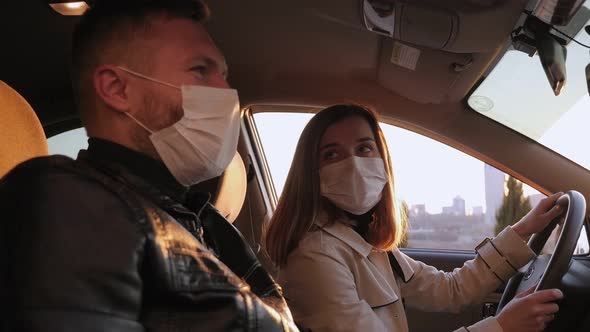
(421, 208)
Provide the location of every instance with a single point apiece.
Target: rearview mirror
(553, 56)
(535, 37)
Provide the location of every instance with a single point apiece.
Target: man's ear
(110, 85)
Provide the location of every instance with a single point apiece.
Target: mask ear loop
(139, 123)
(134, 73)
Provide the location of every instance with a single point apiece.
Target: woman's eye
(366, 149)
(330, 155)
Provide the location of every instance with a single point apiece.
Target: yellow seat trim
(21, 133)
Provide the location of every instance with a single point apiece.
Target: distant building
(448, 210)
(494, 187)
(459, 206)
(477, 211)
(457, 209)
(418, 210)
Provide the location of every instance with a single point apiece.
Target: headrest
(227, 191)
(21, 133)
(231, 190)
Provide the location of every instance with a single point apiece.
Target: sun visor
(447, 27)
(426, 26)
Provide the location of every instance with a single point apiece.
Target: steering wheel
(546, 271)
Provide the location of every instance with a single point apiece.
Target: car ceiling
(315, 53)
(270, 42)
(277, 51)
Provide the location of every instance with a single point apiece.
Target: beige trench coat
(336, 281)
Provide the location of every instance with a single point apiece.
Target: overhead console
(428, 24)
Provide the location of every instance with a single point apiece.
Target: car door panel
(447, 260)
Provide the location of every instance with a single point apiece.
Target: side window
(451, 199)
(68, 143)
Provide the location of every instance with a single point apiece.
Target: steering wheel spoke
(533, 273)
(546, 271)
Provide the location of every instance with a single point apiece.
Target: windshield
(518, 95)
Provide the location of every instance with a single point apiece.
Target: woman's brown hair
(301, 202)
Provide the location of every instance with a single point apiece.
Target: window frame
(256, 147)
(269, 187)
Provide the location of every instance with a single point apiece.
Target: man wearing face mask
(113, 241)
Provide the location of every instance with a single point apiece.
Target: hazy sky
(426, 171)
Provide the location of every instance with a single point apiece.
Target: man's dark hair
(107, 31)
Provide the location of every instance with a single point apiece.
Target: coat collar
(341, 230)
(406, 268)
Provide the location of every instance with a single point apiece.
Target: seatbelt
(397, 269)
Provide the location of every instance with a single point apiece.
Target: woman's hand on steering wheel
(539, 217)
(545, 272)
(530, 312)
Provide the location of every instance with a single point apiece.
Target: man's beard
(156, 115)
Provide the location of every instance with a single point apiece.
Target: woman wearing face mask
(336, 222)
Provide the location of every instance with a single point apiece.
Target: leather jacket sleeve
(76, 261)
(234, 251)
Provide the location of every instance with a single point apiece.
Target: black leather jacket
(90, 246)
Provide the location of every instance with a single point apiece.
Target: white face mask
(202, 144)
(354, 184)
